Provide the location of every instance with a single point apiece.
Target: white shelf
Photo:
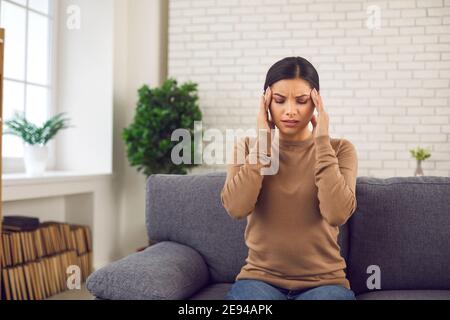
(14, 179)
(51, 184)
(75, 197)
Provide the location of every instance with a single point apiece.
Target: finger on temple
(262, 103)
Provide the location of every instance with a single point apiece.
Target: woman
(293, 216)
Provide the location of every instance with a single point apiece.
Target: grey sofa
(402, 225)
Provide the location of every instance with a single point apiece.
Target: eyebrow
(277, 94)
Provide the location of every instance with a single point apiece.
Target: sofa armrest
(164, 271)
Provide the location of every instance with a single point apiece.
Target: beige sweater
(294, 215)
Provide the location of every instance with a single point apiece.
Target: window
(28, 65)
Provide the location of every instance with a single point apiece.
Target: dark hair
(292, 68)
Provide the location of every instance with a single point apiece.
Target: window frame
(17, 164)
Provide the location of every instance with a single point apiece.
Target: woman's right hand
(263, 115)
(263, 118)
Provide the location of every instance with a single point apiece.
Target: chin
(290, 131)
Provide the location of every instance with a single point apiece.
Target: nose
(290, 109)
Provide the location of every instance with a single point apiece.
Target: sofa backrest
(402, 226)
(187, 209)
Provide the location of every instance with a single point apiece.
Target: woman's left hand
(321, 122)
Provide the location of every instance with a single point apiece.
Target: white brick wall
(386, 90)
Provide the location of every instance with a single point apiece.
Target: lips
(290, 123)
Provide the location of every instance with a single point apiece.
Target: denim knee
(327, 292)
(249, 289)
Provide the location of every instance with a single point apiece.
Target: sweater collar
(296, 144)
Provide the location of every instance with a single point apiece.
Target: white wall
(138, 45)
(133, 59)
(131, 30)
(386, 90)
(84, 85)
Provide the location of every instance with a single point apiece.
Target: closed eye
(299, 101)
(303, 100)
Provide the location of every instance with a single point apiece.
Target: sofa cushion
(165, 270)
(401, 225)
(187, 209)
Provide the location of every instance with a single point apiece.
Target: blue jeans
(249, 289)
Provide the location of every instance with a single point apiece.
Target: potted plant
(159, 112)
(420, 155)
(35, 139)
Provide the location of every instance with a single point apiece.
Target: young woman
(293, 216)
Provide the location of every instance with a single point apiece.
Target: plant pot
(35, 159)
(419, 171)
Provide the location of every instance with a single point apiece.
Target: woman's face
(291, 100)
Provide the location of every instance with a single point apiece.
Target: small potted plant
(35, 139)
(420, 155)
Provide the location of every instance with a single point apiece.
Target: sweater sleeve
(244, 179)
(335, 178)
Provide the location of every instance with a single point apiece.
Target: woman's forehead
(291, 86)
